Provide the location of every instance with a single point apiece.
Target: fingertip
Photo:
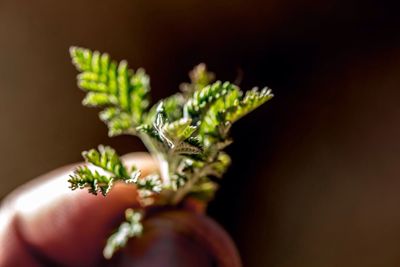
(67, 226)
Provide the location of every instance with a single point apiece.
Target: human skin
(44, 223)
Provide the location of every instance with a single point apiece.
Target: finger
(69, 227)
(207, 233)
(166, 243)
(177, 238)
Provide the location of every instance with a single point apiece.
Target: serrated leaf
(173, 108)
(205, 97)
(187, 148)
(112, 84)
(108, 114)
(83, 177)
(180, 129)
(121, 124)
(98, 99)
(252, 100)
(132, 227)
(106, 158)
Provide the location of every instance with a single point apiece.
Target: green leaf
(187, 148)
(252, 100)
(106, 158)
(173, 108)
(95, 99)
(112, 84)
(140, 83)
(149, 185)
(83, 177)
(150, 132)
(204, 98)
(118, 122)
(110, 170)
(180, 129)
(132, 227)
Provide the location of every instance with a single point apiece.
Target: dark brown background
(315, 180)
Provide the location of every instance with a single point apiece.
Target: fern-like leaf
(106, 158)
(83, 177)
(204, 98)
(108, 170)
(112, 84)
(130, 228)
(252, 100)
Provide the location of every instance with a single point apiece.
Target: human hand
(43, 223)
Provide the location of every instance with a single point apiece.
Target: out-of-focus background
(315, 179)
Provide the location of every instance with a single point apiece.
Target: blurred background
(315, 179)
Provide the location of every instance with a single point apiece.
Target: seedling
(186, 133)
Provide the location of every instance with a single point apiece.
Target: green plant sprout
(186, 133)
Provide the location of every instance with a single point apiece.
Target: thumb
(60, 226)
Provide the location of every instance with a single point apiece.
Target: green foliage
(130, 228)
(252, 100)
(121, 91)
(83, 177)
(203, 98)
(108, 169)
(107, 159)
(185, 132)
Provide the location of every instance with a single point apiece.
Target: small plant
(185, 132)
